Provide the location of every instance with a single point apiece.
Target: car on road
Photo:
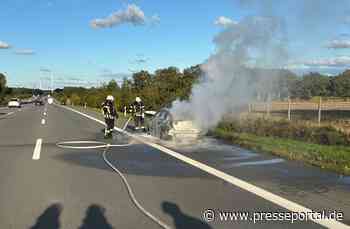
(166, 127)
(38, 102)
(14, 103)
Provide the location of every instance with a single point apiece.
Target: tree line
(164, 86)
(156, 90)
(6, 93)
(161, 88)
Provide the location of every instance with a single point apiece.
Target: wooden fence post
(289, 106)
(268, 105)
(319, 111)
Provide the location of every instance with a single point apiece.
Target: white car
(165, 127)
(14, 103)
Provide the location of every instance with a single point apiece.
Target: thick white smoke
(229, 83)
(233, 74)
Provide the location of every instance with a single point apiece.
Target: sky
(86, 42)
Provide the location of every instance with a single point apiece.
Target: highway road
(46, 186)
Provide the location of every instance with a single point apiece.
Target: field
(316, 131)
(321, 112)
(333, 158)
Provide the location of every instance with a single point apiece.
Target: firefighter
(110, 114)
(125, 110)
(131, 109)
(139, 113)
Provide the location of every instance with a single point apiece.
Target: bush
(284, 129)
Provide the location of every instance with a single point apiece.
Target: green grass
(334, 158)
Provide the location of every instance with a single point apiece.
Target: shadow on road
(181, 220)
(135, 160)
(49, 218)
(95, 218)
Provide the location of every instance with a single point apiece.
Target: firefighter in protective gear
(110, 114)
(139, 113)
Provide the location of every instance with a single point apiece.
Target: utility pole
(319, 111)
(289, 109)
(51, 82)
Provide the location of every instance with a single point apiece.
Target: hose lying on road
(96, 145)
(106, 147)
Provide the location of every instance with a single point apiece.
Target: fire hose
(106, 147)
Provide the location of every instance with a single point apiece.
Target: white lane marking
(37, 149)
(263, 162)
(43, 121)
(8, 114)
(235, 158)
(278, 200)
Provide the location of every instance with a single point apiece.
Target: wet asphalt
(75, 188)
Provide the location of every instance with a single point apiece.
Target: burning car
(164, 126)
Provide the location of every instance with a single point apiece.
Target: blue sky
(58, 35)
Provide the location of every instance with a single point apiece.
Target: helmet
(110, 98)
(138, 99)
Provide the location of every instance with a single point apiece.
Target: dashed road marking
(37, 149)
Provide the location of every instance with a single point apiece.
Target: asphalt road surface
(45, 186)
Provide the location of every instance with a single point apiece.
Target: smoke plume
(229, 82)
(238, 70)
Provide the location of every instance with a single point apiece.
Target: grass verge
(333, 158)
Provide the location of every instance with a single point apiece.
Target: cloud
(341, 61)
(109, 74)
(155, 19)
(74, 78)
(339, 44)
(4, 45)
(141, 61)
(347, 20)
(117, 76)
(224, 21)
(45, 70)
(344, 35)
(24, 52)
(132, 14)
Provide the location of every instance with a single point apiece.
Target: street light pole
(51, 82)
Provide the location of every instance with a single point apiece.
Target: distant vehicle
(50, 100)
(38, 102)
(14, 103)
